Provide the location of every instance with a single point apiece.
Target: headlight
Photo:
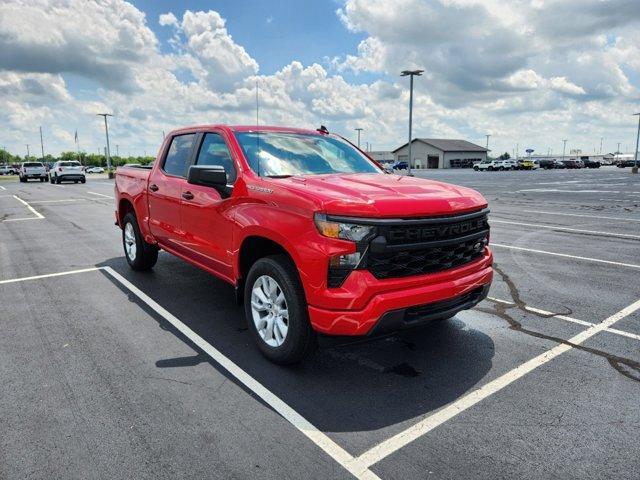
(345, 231)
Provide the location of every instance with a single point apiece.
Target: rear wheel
(84, 180)
(476, 168)
(58, 180)
(276, 310)
(490, 169)
(140, 254)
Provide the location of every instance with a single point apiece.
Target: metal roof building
(441, 153)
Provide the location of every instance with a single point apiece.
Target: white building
(441, 153)
(382, 156)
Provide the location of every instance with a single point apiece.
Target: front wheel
(140, 254)
(476, 169)
(276, 310)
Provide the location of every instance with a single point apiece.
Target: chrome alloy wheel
(269, 311)
(130, 241)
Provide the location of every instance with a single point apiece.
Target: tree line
(87, 159)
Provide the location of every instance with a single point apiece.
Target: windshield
(69, 164)
(33, 164)
(273, 154)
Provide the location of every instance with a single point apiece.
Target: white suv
(32, 170)
(488, 165)
(67, 170)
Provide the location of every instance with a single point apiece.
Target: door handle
(153, 187)
(187, 195)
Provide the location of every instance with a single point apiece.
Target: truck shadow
(353, 387)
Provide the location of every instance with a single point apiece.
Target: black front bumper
(410, 317)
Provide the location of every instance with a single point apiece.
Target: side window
(178, 155)
(214, 151)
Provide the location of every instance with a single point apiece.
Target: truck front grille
(425, 260)
(428, 246)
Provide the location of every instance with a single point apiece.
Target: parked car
(588, 163)
(560, 164)
(32, 170)
(547, 163)
(627, 163)
(489, 165)
(572, 163)
(525, 164)
(67, 171)
(507, 164)
(294, 223)
(94, 170)
(402, 165)
(6, 170)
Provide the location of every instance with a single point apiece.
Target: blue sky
(272, 32)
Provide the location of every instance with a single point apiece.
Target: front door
(433, 161)
(164, 190)
(206, 215)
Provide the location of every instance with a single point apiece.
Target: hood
(381, 195)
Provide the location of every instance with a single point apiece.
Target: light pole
(358, 130)
(410, 74)
(41, 144)
(601, 145)
(487, 142)
(28, 154)
(635, 160)
(564, 145)
(106, 130)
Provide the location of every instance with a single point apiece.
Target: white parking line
(565, 255)
(31, 209)
(622, 333)
(37, 202)
(586, 216)
(2, 188)
(567, 229)
(334, 450)
(393, 444)
(49, 275)
(100, 195)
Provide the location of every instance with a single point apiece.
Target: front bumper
(406, 302)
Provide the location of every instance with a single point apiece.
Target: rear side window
(69, 164)
(214, 151)
(178, 155)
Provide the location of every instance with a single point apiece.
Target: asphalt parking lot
(110, 373)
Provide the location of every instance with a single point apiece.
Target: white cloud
(507, 68)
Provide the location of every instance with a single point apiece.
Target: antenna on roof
(323, 129)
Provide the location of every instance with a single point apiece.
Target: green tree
(505, 156)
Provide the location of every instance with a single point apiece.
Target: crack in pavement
(625, 366)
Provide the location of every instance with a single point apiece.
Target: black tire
(51, 179)
(42, 179)
(146, 254)
(58, 180)
(84, 180)
(75, 181)
(476, 169)
(300, 340)
(490, 168)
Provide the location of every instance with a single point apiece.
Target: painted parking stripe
(567, 229)
(334, 450)
(565, 255)
(38, 202)
(2, 188)
(49, 275)
(586, 216)
(393, 444)
(566, 318)
(100, 194)
(31, 209)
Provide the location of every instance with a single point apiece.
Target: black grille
(425, 260)
(428, 246)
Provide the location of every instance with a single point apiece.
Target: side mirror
(213, 176)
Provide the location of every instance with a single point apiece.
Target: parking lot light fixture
(635, 160)
(410, 74)
(358, 130)
(106, 130)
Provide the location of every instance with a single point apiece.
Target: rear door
(206, 216)
(165, 188)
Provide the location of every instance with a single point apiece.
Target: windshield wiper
(277, 176)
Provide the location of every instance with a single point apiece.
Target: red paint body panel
(209, 230)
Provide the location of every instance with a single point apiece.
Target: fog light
(340, 266)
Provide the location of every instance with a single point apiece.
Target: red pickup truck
(313, 235)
